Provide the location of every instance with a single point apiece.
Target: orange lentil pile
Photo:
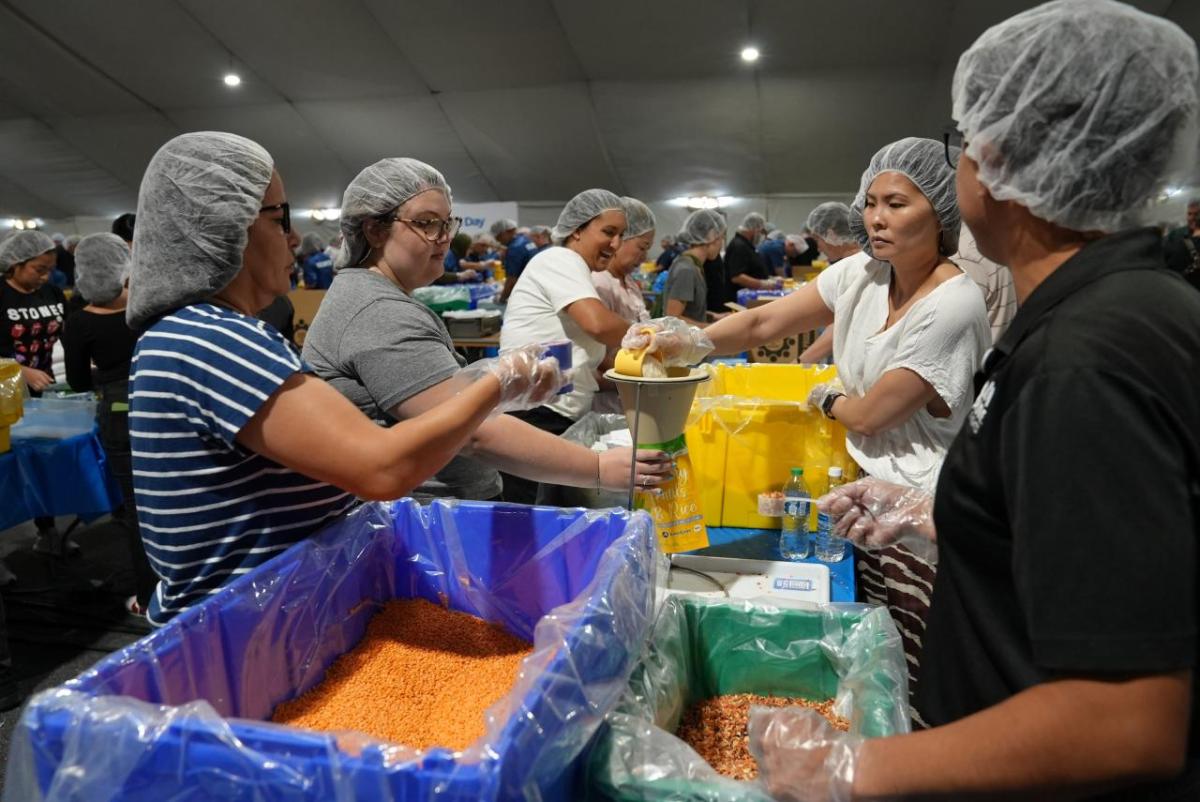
(718, 729)
(422, 677)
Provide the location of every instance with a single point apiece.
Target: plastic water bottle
(793, 535)
(828, 547)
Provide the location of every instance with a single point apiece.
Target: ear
(375, 231)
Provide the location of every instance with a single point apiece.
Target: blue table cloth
(763, 544)
(65, 475)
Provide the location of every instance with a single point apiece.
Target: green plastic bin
(703, 648)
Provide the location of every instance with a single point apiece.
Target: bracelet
(597, 470)
(827, 405)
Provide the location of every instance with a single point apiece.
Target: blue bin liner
(180, 715)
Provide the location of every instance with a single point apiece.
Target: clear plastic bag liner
(181, 714)
(702, 648)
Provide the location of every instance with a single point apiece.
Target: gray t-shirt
(685, 282)
(379, 347)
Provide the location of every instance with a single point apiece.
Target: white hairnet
(753, 221)
(777, 233)
(503, 224)
(639, 219)
(101, 267)
(581, 209)
(1079, 110)
(71, 240)
(199, 196)
(311, 243)
(831, 222)
(21, 246)
(922, 161)
(701, 226)
(798, 242)
(377, 191)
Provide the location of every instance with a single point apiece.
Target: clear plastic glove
(653, 468)
(874, 514)
(675, 342)
(466, 275)
(527, 379)
(820, 392)
(801, 757)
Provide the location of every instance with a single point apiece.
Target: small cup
(561, 350)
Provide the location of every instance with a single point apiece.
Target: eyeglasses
(285, 222)
(432, 229)
(952, 139)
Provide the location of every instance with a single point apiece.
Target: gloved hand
(801, 757)
(653, 468)
(465, 276)
(873, 514)
(527, 379)
(819, 392)
(673, 340)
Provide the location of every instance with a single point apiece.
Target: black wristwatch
(827, 404)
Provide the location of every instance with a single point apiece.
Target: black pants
(114, 436)
(519, 490)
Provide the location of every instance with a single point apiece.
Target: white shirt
(941, 338)
(995, 282)
(553, 280)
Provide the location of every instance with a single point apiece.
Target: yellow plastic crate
(749, 428)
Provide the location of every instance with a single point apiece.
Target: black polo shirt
(1068, 507)
(741, 257)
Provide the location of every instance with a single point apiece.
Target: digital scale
(788, 584)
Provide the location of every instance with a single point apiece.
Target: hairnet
(798, 242)
(58, 237)
(701, 226)
(669, 239)
(311, 243)
(71, 240)
(922, 161)
(378, 190)
(21, 246)
(101, 267)
(199, 196)
(582, 208)
(753, 221)
(776, 233)
(831, 222)
(502, 225)
(540, 230)
(639, 219)
(1079, 110)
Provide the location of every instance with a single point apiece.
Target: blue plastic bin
(181, 713)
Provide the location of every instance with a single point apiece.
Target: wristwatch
(827, 404)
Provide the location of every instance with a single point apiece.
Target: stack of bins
(749, 426)
(182, 713)
(703, 648)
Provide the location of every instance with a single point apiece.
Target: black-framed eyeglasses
(432, 229)
(952, 139)
(285, 222)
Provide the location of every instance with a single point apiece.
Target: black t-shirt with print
(31, 325)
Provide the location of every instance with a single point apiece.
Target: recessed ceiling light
(750, 53)
(233, 79)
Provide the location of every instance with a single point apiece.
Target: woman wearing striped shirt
(238, 452)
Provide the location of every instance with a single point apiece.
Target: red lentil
(422, 676)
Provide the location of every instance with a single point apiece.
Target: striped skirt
(896, 578)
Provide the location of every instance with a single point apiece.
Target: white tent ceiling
(526, 100)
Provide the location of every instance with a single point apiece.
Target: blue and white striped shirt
(210, 510)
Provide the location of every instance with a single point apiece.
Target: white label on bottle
(796, 507)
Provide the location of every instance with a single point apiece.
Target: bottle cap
(835, 470)
(797, 471)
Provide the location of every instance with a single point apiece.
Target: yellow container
(751, 429)
(12, 400)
